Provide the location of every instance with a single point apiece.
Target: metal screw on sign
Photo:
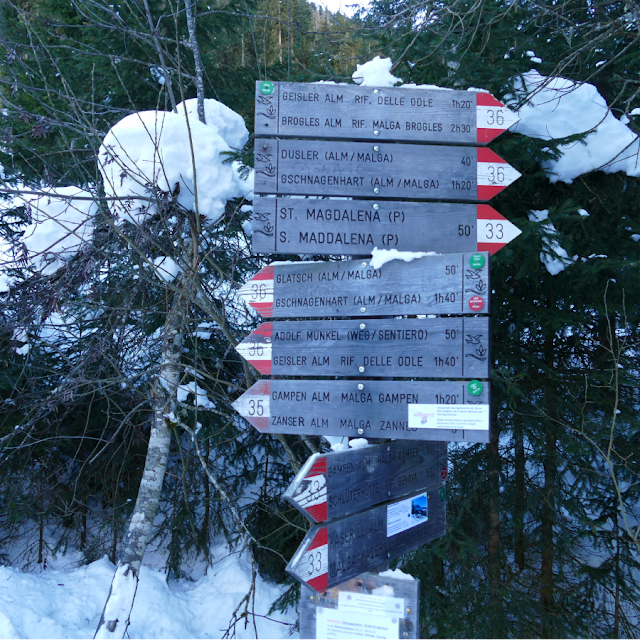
(477, 261)
(376, 148)
(363, 326)
(361, 369)
(376, 189)
(360, 432)
(376, 132)
(376, 206)
(266, 88)
(363, 309)
(360, 387)
(475, 387)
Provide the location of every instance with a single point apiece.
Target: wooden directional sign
(422, 172)
(423, 348)
(341, 549)
(332, 485)
(290, 109)
(454, 283)
(352, 610)
(434, 411)
(355, 227)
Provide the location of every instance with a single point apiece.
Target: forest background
(107, 360)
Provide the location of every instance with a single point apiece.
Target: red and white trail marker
(336, 484)
(492, 117)
(428, 285)
(356, 227)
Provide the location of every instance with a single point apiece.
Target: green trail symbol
(475, 387)
(477, 261)
(266, 88)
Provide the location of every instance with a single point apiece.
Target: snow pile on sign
(557, 108)
(68, 604)
(375, 73)
(552, 256)
(151, 154)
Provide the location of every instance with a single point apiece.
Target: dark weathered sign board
(333, 485)
(355, 227)
(454, 283)
(409, 348)
(450, 411)
(384, 170)
(293, 109)
(339, 550)
(353, 610)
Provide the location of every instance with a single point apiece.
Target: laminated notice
(370, 604)
(407, 514)
(333, 623)
(449, 416)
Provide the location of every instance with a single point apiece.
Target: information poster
(449, 416)
(407, 514)
(335, 623)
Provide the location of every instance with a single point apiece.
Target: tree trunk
(494, 541)
(190, 6)
(519, 510)
(117, 609)
(547, 597)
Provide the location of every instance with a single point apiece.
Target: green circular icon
(475, 387)
(442, 494)
(266, 88)
(477, 261)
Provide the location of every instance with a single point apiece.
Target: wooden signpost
(339, 550)
(384, 170)
(435, 411)
(369, 606)
(355, 227)
(374, 503)
(423, 348)
(291, 109)
(456, 283)
(333, 485)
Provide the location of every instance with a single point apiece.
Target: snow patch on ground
(68, 604)
(557, 108)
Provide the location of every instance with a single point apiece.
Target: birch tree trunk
(190, 6)
(117, 609)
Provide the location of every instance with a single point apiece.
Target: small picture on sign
(419, 511)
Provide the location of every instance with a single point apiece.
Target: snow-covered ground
(67, 602)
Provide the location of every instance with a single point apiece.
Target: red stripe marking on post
(487, 135)
(318, 468)
(318, 512)
(263, 308)
(319, 583)
(261, 388)
(487, 100)
(266, 273)
(265, 329)
(261, 424)
(485, 212)
(490, 247)
(486, 155)
(486, 192)
(321, 538)
(263, 366)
